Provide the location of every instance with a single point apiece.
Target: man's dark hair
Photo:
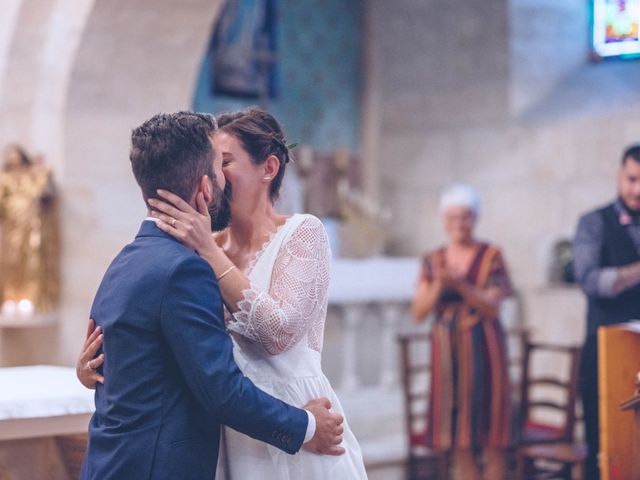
(632, 152)
(172, 151)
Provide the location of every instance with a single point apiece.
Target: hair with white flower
(460, 195)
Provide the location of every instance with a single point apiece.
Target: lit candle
(8, 308)
(25, 308)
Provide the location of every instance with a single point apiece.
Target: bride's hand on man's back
(87, 361)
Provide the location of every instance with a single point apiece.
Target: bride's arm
(87, 362)
(297, 297)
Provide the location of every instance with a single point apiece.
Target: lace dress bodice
(287, 303)
(277, 333)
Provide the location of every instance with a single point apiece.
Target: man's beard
(629, 210)
(220, 208)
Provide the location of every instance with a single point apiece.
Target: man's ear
(271, 167)
(205, 188)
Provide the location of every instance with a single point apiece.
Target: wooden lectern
(633, 405)
(618, 366)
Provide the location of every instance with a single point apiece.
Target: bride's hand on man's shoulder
(180, 220)
(87, 361)
(329, 429)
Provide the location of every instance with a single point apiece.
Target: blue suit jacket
(170, 377)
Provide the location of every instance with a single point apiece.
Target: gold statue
(29, 245)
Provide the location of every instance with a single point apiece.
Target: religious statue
(29, 246)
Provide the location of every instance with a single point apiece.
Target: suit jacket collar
(150, 229)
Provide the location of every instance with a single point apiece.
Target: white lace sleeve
(296, 303)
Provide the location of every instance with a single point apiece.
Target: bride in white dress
(273, 272)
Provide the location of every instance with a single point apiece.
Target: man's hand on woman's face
(183, 222)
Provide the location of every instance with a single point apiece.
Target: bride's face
(244, 179)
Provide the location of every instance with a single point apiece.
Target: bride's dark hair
(260, 135)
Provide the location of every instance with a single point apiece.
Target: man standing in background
(607, 266)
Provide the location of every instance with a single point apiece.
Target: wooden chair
(532, 430)
(549, 450)
(422, 462)
(552, 460)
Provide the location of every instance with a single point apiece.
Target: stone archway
(131, 60)
(136, 59)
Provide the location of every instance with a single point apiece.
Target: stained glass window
(615, 27)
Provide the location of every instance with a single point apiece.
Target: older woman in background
(463, 284)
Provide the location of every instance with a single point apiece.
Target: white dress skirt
(278, 334)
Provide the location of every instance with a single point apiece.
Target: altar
(369, 301)
(42, 401)
(375, 279)
(40, 406)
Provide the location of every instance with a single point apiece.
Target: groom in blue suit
(170, 380)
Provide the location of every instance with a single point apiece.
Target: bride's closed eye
(226, 159)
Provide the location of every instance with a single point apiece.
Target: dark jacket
(170, 377)
(616, 250)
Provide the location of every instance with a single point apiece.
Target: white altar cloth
(375, 279)
(42, 400)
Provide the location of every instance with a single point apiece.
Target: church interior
(385, 105)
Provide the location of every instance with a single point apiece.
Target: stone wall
(116, 63)
(507, 100)
(497, 93)
(318, 74)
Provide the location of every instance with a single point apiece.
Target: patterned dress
(470, 404)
